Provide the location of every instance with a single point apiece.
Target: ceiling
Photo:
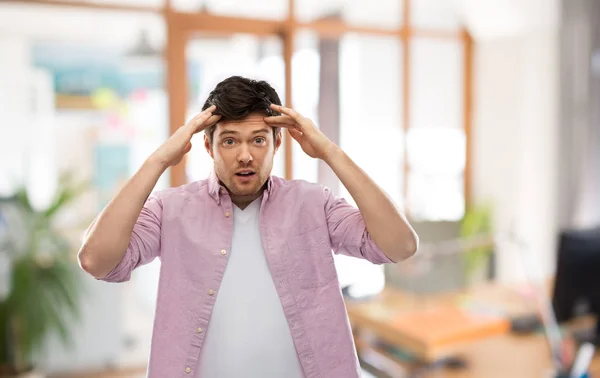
(484, 18)
(51, 23)
(489, 19)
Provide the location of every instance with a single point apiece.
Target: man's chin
(245, 192)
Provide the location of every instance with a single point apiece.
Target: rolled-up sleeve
(348, 232)
(144, 243)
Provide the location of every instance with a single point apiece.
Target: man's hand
(107, 239)
(313, 142)
(389, 229)
(172, 151)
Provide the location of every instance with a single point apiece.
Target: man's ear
(278, 138)
(208, 146)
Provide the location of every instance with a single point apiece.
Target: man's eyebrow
(224, 132)
(233, 132)
(263, 130)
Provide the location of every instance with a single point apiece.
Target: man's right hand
(107, 238)
(172, 151)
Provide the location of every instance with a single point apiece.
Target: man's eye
(259, 140)
(228, 142)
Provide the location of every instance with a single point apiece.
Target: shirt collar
(216, 189)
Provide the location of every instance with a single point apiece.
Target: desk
(507, 355)
(499, 354)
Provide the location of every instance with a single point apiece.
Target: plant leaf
(67, 191)
(45, 291)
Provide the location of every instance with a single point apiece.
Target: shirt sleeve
(144, 244)
(348, 232)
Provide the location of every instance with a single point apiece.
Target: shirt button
(223, 252)
(227, 214)
(188, 370)
(211, 292)
(199, 330)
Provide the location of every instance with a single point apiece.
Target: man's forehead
(254, 117)
(252, 121)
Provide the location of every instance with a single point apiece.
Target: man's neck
(243, 201)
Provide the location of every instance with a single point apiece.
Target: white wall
(515, 142)
(15, 76)
(369, 80)
(98, 337)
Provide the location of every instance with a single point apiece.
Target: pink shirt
(190, 229)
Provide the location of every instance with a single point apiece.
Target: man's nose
(244, 156)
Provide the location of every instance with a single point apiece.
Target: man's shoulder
(192, 190)
(298, 187)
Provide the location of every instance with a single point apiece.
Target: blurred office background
(479, 117)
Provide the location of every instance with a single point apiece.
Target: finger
(203, 113)
(208, 123)
(287, 111)
(212, 120)
(210, 109)
(283, 119)
(294, 125)
(200, 118)
(198, 121)
(297, 135)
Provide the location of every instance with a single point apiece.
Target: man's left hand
(313, 142)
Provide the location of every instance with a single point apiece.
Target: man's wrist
(333, 154)
(155, 162)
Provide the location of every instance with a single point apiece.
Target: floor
(140, 374)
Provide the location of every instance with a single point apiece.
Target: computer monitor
(577, 281)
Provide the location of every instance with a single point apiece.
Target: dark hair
(237, 97)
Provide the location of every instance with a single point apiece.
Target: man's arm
(108, 239)
(387, 226)
(348, 231)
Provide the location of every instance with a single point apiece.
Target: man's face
(243, 154)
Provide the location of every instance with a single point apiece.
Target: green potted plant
(477, 223)
(42, 292)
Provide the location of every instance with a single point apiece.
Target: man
(248, 286)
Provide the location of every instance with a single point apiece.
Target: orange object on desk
(444, 325)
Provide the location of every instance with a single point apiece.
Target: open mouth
(245, 174)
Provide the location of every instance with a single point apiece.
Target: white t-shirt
(248, 335)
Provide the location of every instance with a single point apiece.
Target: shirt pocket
(310, 258)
